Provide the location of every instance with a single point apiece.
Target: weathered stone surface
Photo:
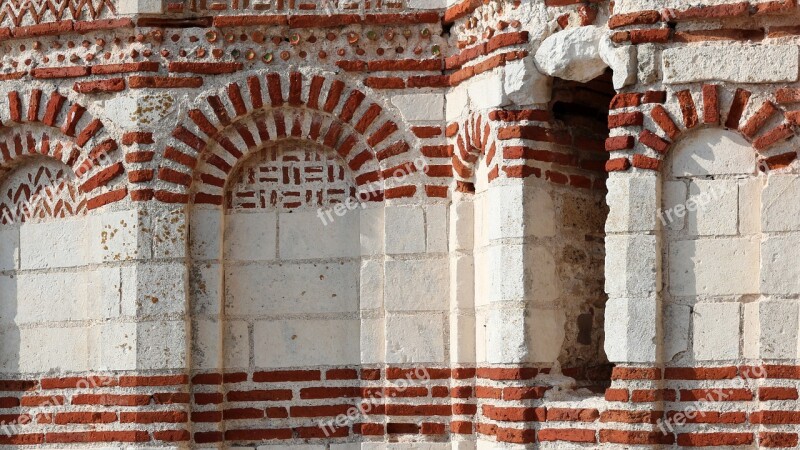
(733, 63)
(572, 54)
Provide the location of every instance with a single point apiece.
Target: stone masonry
(399, 224)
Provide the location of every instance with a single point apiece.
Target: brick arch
(666, 129)
(222, 130)
(52, 126)
(473, 139)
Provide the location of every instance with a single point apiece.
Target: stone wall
(439, 224)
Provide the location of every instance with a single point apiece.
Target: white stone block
(417, 285)
(506, 336)
(540, 212)
(716, 331)
(168, 232)
(373, 341)
(750, 205)
(436, 228)
(546, 333)
(160, 289)
(462, 225)
(541, 279)
(420, 107)
(302, 343)
(304, 236)
(161, 345)
(51, 245)
(462, 282)
(372, 231)
(120, 236)
(205, 234)
(712, 208)
(113, 346)
(252, 236)
(43, 350)
(426, 4)
(508, 284)
(486, 92)
(779, 322)
(205, 288)
(677, 321)
(622, 61)
(714, 266)
(673, 214)
(631, 330)
(140, 7)
(506, 211)
(236, 345)
(633, 202)
(405, 230)
(733, 63)
(462, 339)
(779, 272)
(457, 103)
(371, 285)
(632, 266)
(206, 344)
(572, 54)
(712, 152)
(415, 339)
(779, 209)
(525, 85)
(9, 247)
(751, 348)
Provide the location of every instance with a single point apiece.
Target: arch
(62, 130)
(661, 129)
(223, 129)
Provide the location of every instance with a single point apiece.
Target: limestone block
(51, 245)
(309, 342)
(631, 330)
(462, 282)
(169, 232)
(251, 236)
(572, 54)
(417, 285)
(487, 92)
(648, 63)
(420, 107)
(505, 211)
(161, 345)
(541, 280)
(206, 232)
(506, 336)
(633, 202)
(632, 265)
(462, 225)
(371, 285)
(140, 7)
(622, 61)
(292, 288)
(372, 231)
(43, 350)
(779, 273)
(415, 338)
(426, 4)
(436, 228)
(507, 284)
(206, 344)
(373, 341)
(9, 247)
(236, 345)
(205, 288)
(677, 321)
(160, 289)
(540, 212)
(462, 339)
(751, 348)
(779, 209)
(712, 208)
(716, 331)
(36, 293)
(546, 333)
(750, 191)
(714, 266)
(673, 215)
(525, 85)
(120, 236)
(457, 102)
(405, 230)
(779, 321)
(733, 63)
(481, 223)
(713, 152)
(304, 236)
(113, 346)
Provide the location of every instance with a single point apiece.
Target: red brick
(714, 439)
